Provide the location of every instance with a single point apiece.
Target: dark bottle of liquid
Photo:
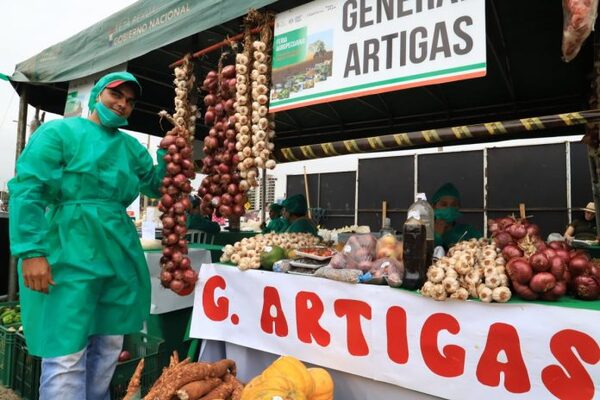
(414, 236)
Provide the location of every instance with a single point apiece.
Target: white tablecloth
(164, 300)
(251, 362)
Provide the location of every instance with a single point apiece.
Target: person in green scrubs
(83, 278)
(195, 219)
(277, 224)
(294, 211)
(446, 203)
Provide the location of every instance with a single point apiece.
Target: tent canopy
(525, 74)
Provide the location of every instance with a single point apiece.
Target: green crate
(26, 380)
(26, 375)
(7, 341)
(7, 344)
(139, 345)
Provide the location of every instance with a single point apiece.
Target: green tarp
(130, 33)
(4, 77)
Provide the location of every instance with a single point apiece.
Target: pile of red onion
(176, 271)
(221, 191)
(540, 271)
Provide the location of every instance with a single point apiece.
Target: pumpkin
(292, 369)
(323, 384)
(270, 388)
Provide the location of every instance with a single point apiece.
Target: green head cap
(113, 80)
(447, 189)
(275, 207)
(295, 204)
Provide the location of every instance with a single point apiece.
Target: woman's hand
(37, 274)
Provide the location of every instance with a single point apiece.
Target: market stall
(422, 348)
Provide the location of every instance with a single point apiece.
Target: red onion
(586, 287)
(190, 276)
(517, 230)
(524, 291)
(186, 263)
(519, 270)
(167, 141)
(557, 267)
(228, 71)
(168, 222)
(533, 230)
(578, 265)
(502, 239)
(539, 262)
(564, 254)
(172, 239)
(176, 285)
(505, 222)
(542, 282)
(556, 293)
(226, 199)
(511, 251)
(178, 208)
(166, 200)
(557, 245)
(225, 211)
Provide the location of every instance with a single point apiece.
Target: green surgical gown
(302, 225)
(67, 202)
(276, 225)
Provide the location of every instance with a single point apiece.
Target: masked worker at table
(84, 282)
(446, 203)
(195, 219)
(278, 223)
(294, 211)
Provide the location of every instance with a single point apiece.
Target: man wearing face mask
(83, 279)
(446, 203)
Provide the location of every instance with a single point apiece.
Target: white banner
(330, 50)
(452, 349)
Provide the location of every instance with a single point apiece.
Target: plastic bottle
(387, 228)
(427, 218)
(415, 251)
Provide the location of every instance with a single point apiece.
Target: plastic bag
(387, 270)
(579, 17)
(338, 261)
(342, 275)
(388, 246)
(359, 252)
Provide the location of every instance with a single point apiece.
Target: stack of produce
(221, 189)
(10, 315)
(246, 254)
(254, 125)
(473, 269)
(187, 380)
(288, 378)
(379, 260)
(176, 269)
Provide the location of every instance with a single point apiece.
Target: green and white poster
(329, 50)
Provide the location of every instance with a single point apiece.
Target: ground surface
(7, 394)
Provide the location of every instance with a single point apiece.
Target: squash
(323, 384)
(292, 369)
(272, 388)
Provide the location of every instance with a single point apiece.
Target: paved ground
(7, 394)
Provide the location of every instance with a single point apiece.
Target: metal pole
(592, 132)
(21, 132)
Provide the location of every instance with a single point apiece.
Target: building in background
(254, 194)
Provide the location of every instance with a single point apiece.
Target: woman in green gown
(278, 223)
(294, 211)
(83, 278)
(446, 203)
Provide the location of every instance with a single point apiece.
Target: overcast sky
(28, 27)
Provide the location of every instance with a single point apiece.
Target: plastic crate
(26, 374)
(7, 342)
(27, 371)
(139, 345)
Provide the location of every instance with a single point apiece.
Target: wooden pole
(307, 195)
(383, 213)
(522, 210)
(263, 200)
